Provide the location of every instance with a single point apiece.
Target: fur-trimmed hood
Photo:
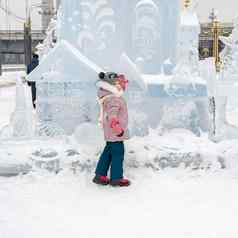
(106, 89)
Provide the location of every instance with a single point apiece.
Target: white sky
(18, 8)
(228, 9)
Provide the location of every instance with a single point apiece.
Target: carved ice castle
(151, 41)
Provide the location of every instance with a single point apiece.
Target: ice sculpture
(189, 44)
(22, 122)
(146, 36)
(50, 40)
(183, 92)
(145, 39)
(170, 23)
(223, 86)
(219, 90)
(64, 89)
(103, 29)
(230, 53)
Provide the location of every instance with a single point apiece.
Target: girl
(114, 121)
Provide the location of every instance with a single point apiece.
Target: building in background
(12, 45)
(12, 19)
(206, 38)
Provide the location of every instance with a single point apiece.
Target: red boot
(101, 180)
(120, 182)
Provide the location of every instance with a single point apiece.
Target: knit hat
(112, 78)
(109, 77)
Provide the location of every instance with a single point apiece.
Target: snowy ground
(169, 203)
(7, 96)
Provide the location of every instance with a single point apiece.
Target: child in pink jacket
(114, 121)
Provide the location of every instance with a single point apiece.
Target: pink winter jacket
(113, 106)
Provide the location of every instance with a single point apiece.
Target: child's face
(121, 83)
(118, 86)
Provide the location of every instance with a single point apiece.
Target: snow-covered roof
(66, 52)
(189, 18)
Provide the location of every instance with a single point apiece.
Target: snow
(7, 95)
(166, 205)
(182, 202)
(182, 185)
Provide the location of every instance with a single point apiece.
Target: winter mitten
(115, 125)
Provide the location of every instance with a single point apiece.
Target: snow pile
(177, 148)
(174, 149)
(10, 166)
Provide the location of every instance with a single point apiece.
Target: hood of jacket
(35, 61)
(105, 89)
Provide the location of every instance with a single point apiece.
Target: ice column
(170, 22)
